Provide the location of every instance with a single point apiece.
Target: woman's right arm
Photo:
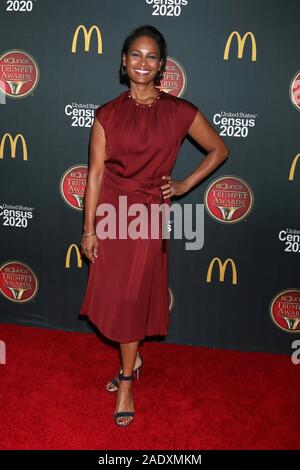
(89, 244)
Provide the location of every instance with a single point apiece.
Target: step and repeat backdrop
(236, 61)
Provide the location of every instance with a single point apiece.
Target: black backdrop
(263, 147)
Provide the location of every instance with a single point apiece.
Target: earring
(123, 69)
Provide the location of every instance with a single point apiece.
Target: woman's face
(142, 60)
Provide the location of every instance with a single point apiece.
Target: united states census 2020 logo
(174, 78)
(72, 186)
(228, 199)
(18, 282)
(285, 310)
(19, 73)
(295, 90)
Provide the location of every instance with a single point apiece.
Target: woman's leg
(125, 397)
(128, 356)
(111, 386)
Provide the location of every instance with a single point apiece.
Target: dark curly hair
(150, 31)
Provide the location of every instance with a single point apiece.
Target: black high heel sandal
(113, 385)
(124, 414)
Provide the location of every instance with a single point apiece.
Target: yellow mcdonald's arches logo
(293, 167)
(78, 255)
(241, 44)
(87, 38)
(13, 145)
(222, 269)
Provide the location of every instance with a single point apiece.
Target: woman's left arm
(205, 135)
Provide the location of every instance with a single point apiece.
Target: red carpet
(53, 396)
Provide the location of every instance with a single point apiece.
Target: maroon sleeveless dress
(127, 295)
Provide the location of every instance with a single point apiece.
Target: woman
(134, 142)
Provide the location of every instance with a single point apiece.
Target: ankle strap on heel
(126, 377)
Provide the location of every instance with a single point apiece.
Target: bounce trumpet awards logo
(19, 73)
(285, 310)
(174, 78)
(72, 186)
(295, 90)
(18, 282)
(228, 199)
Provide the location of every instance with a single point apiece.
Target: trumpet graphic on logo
(228, 199)
(72, 186)
(285, 310)
(174, 79)
(294, 90)
(18, 282)
(19, 73)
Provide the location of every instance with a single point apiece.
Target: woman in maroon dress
(134, 143)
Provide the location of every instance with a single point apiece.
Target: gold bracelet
(88, 235)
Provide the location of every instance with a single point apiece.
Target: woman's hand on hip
(173, 188)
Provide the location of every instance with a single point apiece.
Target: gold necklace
(145, 105)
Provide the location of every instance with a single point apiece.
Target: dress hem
(126, 340)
